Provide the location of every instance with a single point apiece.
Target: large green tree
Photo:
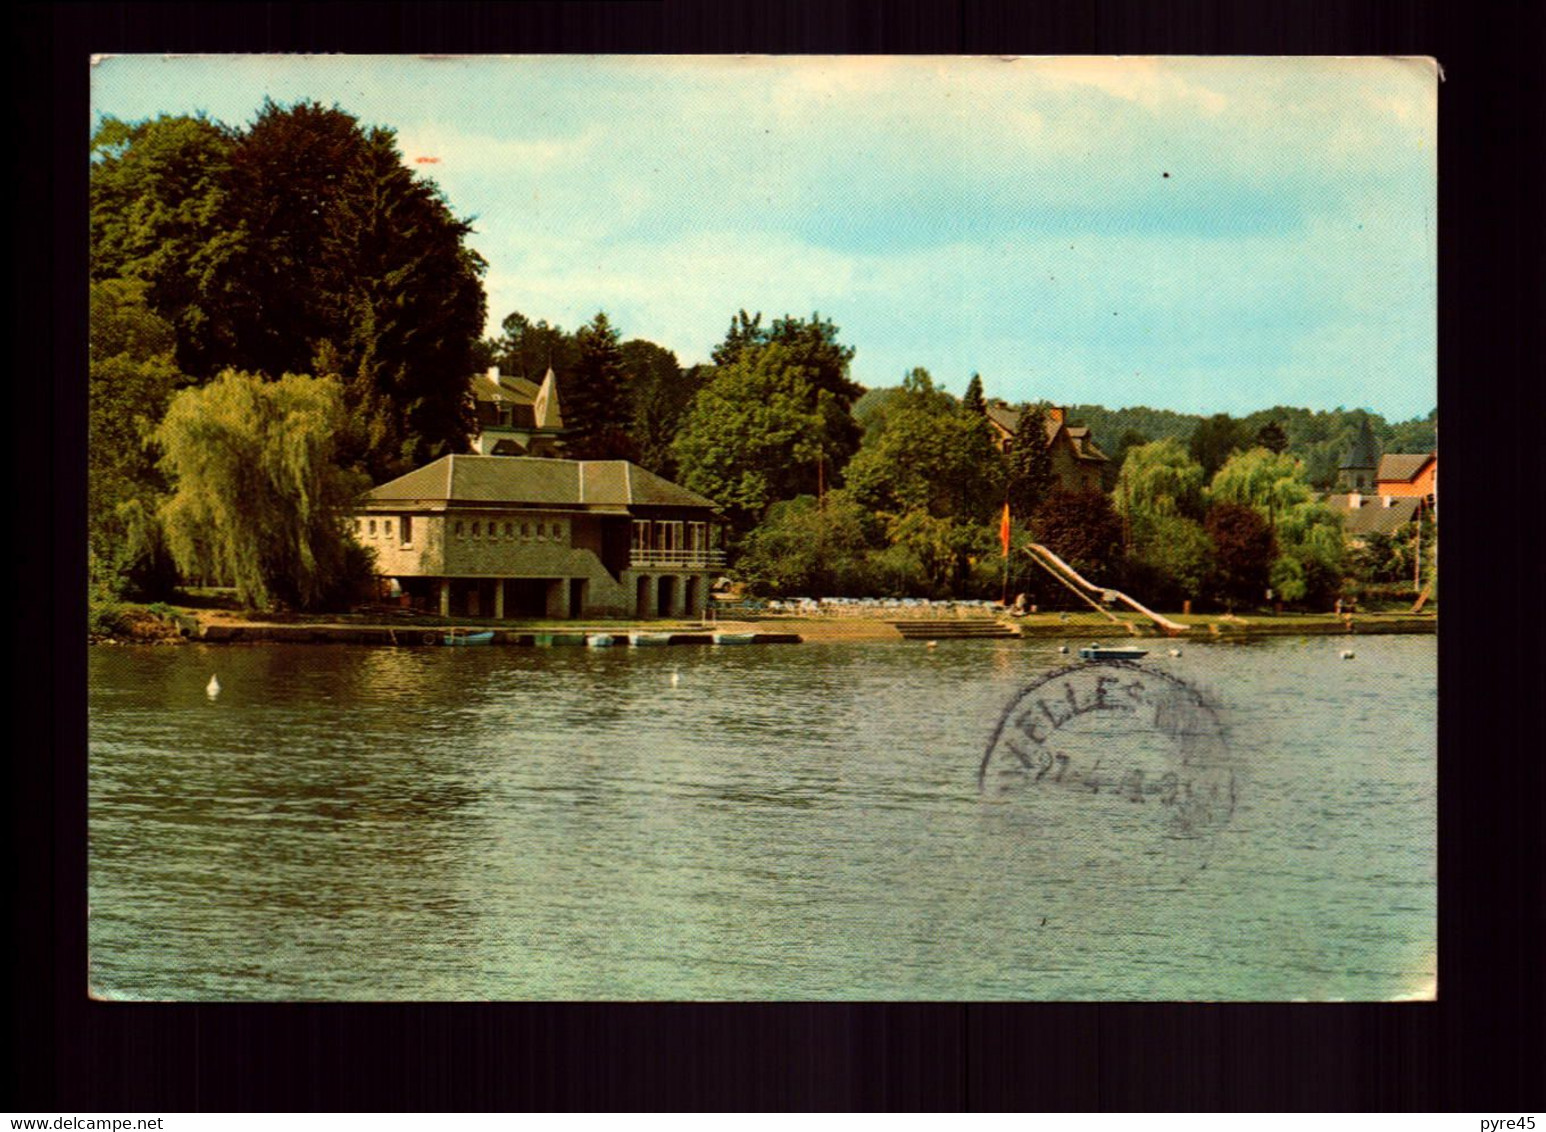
(301, 243)
(256, 497)
(1214, 439)
(751, 434)
(595, 396)
(132, 377)
(1082, 529)
(1159, 479)
(1244, 550)
(1030, 478)
(810, 547)
(931, 457)
(529, 349)
(158, 191)
(813, 345)
(659, 394)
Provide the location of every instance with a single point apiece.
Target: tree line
(285, 313)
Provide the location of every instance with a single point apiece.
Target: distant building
(517, 417)
(1380, 494)
(1077, 462)
(1358, 468)
(1408, 474)
(511, 536)
(1363, 515)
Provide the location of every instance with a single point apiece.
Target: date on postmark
(1127, 735)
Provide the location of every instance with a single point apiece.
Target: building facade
(1409, 474)
(1077, 463)
(516, 417)
(519, 537)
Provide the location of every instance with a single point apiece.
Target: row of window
(491, 529)
(476, 528)
(669, 534)
(368, 528)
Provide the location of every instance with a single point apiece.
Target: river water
(761, 822)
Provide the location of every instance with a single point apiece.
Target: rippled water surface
(779, 822)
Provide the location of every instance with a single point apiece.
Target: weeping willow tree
(256, 497)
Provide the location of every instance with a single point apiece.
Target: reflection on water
(778, 822)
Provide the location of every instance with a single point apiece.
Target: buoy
(1348, 654)
(213, 689)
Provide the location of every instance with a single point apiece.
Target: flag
(1003, 531)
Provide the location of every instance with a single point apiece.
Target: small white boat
(600, 640)
(1104, 652)
(735, 638)
(639, 638)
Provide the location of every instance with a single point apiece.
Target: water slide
(1074, 581)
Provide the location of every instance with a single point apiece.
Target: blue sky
(1205, 235)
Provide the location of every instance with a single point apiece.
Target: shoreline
(222, 627)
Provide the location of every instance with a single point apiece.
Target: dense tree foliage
(1083, 529)
(812, 344)
(1029, 473)
(300, 243)
(158, 191)
(931, 457)
(659, 395)
(1243, 553)
(972, 400)
(597, 411)
(812, 548)
(1272, 437)
(529, 349)
(132, 378)
(1215, 439)
(257, 499)
(1273, 484)
(1170, 559)
(1159, 480)
(751, 434)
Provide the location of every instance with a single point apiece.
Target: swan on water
(1348, 654)
(676, 678)
(213, 689)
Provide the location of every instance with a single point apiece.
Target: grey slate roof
(1402, 466)
(603, 485)
(1372, 516)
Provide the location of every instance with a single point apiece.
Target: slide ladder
(1071, 578)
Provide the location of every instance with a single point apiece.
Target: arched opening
(692, 599)
(641, 601)
(665, 604)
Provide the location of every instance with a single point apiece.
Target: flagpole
(1004, 532)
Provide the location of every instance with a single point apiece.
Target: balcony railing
(684, 558)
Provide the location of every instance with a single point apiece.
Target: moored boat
(1105, 652)
(466, 637)
(639, 638)
(735, 638)
(600, 640)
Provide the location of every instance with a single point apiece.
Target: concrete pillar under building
(558, 599)
(445, 597)
(499, 599)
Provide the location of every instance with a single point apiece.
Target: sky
(1198, 234)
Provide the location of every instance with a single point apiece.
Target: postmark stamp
(1127, 735)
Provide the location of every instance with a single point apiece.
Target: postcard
(763, 528)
